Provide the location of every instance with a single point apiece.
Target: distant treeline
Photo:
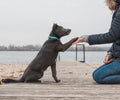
(38, 47)
(20, 48)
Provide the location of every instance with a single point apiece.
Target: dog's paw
(58, 81)
(74, 39)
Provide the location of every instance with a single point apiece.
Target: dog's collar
(53, 37)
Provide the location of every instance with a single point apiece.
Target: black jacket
(113, 36)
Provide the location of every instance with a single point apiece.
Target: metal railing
(83, 50)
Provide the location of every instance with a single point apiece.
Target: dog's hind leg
(54, 73)
(33, 78)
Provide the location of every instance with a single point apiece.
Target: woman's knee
(99, 74)
(104, 71)
(97, 77)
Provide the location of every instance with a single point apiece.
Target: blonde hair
(111, 4)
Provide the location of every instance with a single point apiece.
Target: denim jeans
(108, 73)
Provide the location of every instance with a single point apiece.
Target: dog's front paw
(74, 39)
(58, 81)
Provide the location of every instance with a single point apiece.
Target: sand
(11, 70)
(16, 70)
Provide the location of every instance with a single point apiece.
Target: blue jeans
(108, 73)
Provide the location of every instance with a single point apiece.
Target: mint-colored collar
(53, 37)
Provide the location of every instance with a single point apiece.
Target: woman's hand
(107, 59)
(78, 40)
(83, 38)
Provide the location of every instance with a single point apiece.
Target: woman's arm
(112, 36)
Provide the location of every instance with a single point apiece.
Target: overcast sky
(24, 22)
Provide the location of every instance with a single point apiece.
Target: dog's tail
(11, 81)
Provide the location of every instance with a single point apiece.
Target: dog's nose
(69, 30)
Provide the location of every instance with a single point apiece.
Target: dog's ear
(54, 26)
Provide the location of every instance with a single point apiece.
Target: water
(25, 57)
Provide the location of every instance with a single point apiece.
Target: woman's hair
(111, 4)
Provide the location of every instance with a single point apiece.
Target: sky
(25, 22)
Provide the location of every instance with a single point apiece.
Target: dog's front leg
(54, 73)
(65, 46)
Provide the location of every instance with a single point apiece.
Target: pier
(76, 84)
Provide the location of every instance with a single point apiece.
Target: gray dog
(46, 56)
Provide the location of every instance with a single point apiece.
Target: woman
(109, 73)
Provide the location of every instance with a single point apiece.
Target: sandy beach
(76, 84)
(11, 70)
(16, 70)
